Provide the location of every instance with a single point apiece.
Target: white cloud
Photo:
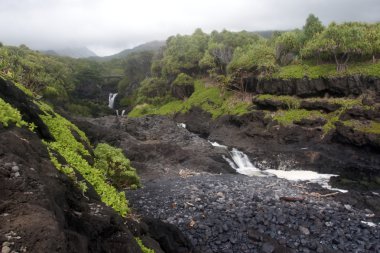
(111, 25)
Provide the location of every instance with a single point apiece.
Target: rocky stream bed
(236, 213)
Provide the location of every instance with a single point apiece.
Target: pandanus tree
(340, 42)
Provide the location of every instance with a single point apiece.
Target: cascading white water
(111, 99)
(241, 163)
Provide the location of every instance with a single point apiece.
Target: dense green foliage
(257, 58)
(340, 42)
(183, 79)
(74, 153)
(10, 115)
(312, 27)
(153, 90)
(115, 166)
(207, 98)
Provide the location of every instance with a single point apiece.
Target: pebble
(267, 248)
(15, 168)
(242, 214)
(304, 230)
(5, 249)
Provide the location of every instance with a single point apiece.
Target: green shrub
(115, 166)
(153, 91)
(10, 115)
(183, 79)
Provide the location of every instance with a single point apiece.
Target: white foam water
(183, 125)
(111, 99)
(241, 163)
(215, 144)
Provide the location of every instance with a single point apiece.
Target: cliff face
(334, 86)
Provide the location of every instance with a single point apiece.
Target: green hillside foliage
(115, 166)
(74, 153)
(183, 79)
(10, 115)
(208, 98)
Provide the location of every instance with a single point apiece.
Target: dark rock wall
(334, 86)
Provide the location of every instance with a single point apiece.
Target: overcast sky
(109, 26)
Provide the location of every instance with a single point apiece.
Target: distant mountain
(149, 46)
(74, 52)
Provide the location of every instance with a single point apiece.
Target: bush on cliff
(115, 166)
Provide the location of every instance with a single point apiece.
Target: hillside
(149, 46)
(216, 142)
(77, 52)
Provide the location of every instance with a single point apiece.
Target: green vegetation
(290, 116)
(257, 58)
(370, 127)
(326, 70)
(183, 79)
(10, 115)
(207, 98)
(143, 247)
(115, 166)
(74, 153)
(291, 102)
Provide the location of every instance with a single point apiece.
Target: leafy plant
(115, 166)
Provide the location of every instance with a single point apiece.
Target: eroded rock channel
(188, 183)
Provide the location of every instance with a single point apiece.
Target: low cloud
(108, 26)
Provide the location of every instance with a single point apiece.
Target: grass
(207, 98)
(290, 101)
(371, 127)
(288, 117)
(326, 70)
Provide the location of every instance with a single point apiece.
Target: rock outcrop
(305, 87)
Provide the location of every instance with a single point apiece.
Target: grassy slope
(207, 98)
(326, 70)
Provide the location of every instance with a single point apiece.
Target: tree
(183, 53)
(258, 59)
(340, 42)
(373, 39)
(312, 27)
(288, 43)
(221, 47)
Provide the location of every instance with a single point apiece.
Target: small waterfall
(241, 163)
(111, 99)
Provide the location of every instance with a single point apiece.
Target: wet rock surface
(157, 146)
(235, 213)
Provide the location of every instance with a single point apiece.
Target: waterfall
(111, 99)
(241, 163)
